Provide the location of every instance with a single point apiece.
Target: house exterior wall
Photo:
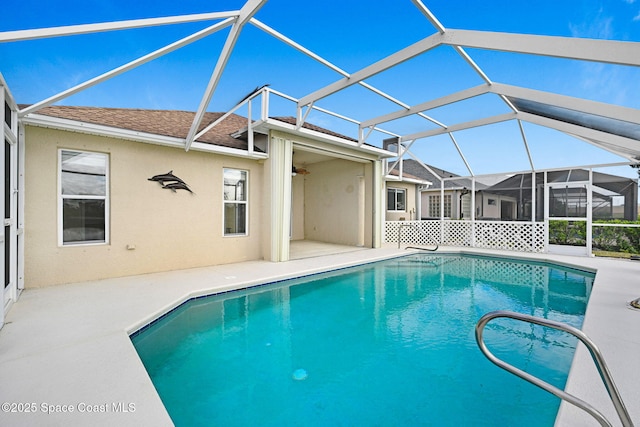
(297, 211)
(151, 229)
(332, 214)
(455, 203)
(491, 206)
(410, 209)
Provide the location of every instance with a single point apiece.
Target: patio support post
(589, 228)
(264, 111)
(378, 203)
(473, 211)
(249, 129)
(442, 210)
(533, 209)
(546, 213)
(21, 205)
(3, 290)
(279, 186)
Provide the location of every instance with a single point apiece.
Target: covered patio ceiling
(607, 126)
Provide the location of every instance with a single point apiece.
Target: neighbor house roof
(409, 178)
(414, 168)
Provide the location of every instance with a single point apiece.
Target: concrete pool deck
(66, 348)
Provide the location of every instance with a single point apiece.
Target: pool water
(384, 344)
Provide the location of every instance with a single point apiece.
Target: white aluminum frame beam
(462, 156)
(577, 104)
(249, 9)
(126, 67)
(331, 113)
(390, 61)
(460, 126)
(430, 16)
(615, 144)
(439, 102)
(434, 21)
(332, 66)
(526, 144)
(608, 51)
(73, 30)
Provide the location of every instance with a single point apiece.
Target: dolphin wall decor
(171, 182)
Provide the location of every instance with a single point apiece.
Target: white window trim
(395, 204)
(245, 202)
(106, 198)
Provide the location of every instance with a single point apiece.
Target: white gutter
(274, 124)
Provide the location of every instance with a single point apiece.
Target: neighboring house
(457, 192)
(613, 197)
(93, 209)
(403, 196)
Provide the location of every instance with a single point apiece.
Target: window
(396, 199)
(235, 202)
(434, 206)
(83, 197)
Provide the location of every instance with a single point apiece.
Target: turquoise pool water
(384, 344)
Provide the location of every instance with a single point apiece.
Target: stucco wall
(297, 204)
(331, 202)
(491, 206)
(410, 211)
(168, 230)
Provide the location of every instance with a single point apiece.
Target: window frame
(244, 202)
(107, 197)
(395, 199)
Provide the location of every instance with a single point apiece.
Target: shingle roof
(416, 169)
(170, 123)
(396, 172)
(292, 121)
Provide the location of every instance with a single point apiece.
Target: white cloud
(599, 28)
(637, 17)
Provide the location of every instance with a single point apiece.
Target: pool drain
(300, 374)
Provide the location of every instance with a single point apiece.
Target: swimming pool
(387, 343)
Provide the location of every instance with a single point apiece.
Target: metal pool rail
(614, 395)
(420, 231)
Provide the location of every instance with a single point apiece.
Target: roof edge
(40, 120)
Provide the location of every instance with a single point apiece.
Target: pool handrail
(605, 375)
(419, 230)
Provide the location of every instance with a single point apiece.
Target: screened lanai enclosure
(550, 214)
(612, 197)
(477, 100)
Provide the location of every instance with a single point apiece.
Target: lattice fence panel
(457, 233)
(512, 236)
(420, 233)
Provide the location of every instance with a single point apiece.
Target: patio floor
(69, 345)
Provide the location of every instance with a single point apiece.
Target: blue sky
(350, 34)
